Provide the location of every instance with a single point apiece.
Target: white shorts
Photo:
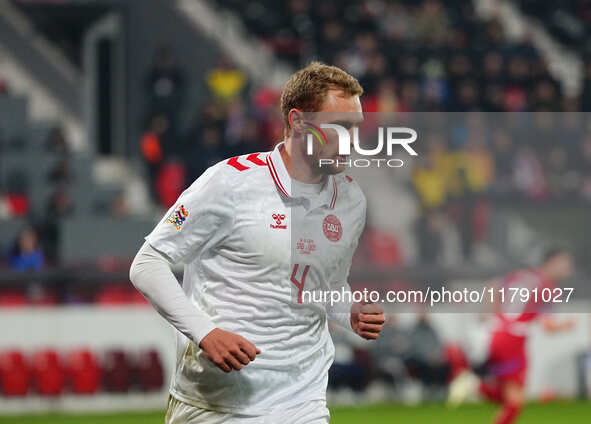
(312, 412)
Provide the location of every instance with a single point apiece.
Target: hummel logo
(278, 217)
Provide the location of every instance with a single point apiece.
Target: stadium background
(108, 109)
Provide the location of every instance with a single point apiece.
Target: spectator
(432, 23)
(528, 174)
(226, 81)
(56, 141)
(397, 23)
(560, 177)
(59, 206)
(474, 169)
(61, 172)
(429, 182)
(153, 144)
(385, 100)
(249, 138)
(431, 179)
(165, 88)
(26, 255)
(429, 233)
(207, 149)
(391, 350)
(346, 371)
(427, 360)
(332, 39)
(503, 156)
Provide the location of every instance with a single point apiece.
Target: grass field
(551, 413)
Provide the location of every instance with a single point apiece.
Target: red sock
(508, 414)
(491, 392)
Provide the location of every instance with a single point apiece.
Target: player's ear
(296, 121)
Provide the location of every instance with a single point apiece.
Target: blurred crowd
(528, 159)
(406, 355)
(410, 57)
(36, 244)
(233, 120)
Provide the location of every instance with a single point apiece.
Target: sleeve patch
(178, 216)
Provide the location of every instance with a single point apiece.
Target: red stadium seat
(44, 299)
(48, 373)
(116, 371)
(170, 182)
(83, 372)
(120, 295)
(137, 298)
(384, 250)
(114, 295)
(12, 299)
(149, 371)
(14, 374)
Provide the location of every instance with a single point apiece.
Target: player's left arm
(363, 318)
(552, 325)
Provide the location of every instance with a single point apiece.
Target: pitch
(578, 412)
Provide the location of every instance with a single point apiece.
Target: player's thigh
(513, 393)
(313, 412)
(181, 413)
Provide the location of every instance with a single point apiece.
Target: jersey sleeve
(201, 217)
(344, 269)
(341, 312)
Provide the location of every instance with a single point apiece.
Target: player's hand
(367, 320)
(227, 350)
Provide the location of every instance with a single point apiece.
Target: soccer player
(505, 370)
(254, 232)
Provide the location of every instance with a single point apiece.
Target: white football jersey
(252, 240)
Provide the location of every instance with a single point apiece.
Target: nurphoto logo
(388, 137)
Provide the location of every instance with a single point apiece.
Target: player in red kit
(506, 367)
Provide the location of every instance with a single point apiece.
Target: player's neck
(302, 172)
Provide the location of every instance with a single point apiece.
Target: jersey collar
(328, 194)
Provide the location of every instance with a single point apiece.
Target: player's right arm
(201, 218)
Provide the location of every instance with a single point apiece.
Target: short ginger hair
(307, 88)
